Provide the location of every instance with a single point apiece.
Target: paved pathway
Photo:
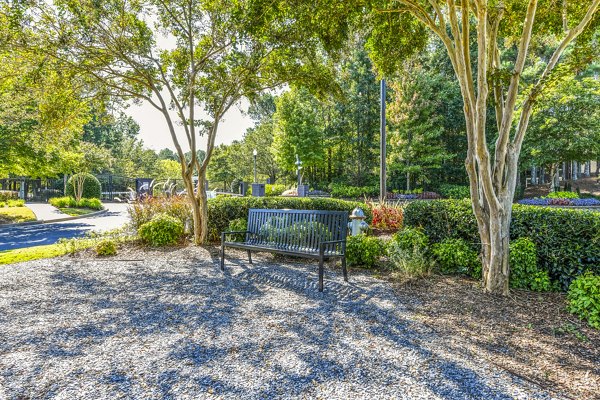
(45, 212)
(42, 234)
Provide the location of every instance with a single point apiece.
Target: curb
(50, 221)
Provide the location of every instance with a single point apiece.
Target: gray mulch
(175, 327)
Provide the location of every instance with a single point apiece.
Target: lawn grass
(12, 215)
(76, 211)
(32, 253)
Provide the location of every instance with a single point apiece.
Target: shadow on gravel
(153, 331)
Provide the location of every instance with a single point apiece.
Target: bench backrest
(297, 230)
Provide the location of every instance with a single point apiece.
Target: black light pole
(382, 148)
(254, 153)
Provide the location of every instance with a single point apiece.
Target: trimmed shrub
(274, 190)
(63, 202)
(567, 241)
(70, 202)
(584, 298)
(6, 195)
(455, 256)
(15, 203)
(352, 192)
(91, 186)
(458, 192)
(94, 204)
(562, 195)
(222, 210)
(524, 273)
(161, 230)
(364, 250)
(410, 238)
(238, 224)
(106, 247)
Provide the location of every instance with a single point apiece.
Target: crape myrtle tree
(486, 78)
(192, 60)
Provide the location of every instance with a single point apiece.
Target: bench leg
(344, 269)
(249, 257)
(223, 253)
(321, 271)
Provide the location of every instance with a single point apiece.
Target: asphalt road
(50, 233)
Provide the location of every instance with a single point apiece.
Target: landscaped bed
(73, 207)
(77, 211)
(13, 215)
(167, 323)
(529, 334)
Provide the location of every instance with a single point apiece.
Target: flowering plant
(386, 216)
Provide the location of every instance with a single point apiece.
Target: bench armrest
(332, 241)
(322, 245)
(233, 232)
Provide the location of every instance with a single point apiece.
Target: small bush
(274, 190)
(584, 298)
(524, 273)
(15, 203)
(2, 204)
(409, 253)
(386, 217)
(238, 224)
(6, 195)
(70, 202)
(91, 186)
(364, 250)
(411, 263)
(94, 204)
(63, 202)
(176, 206)
(562, 195)
(455, 256)
(410, 238)
(161, 230)
(106, 247)
(457, 192)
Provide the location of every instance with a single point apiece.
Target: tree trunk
(196, 212)
(495, 254)
(586, 171)
(201, 235)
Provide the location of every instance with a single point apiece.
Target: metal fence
(34, 189)
(113, 187)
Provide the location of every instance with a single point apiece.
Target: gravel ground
(176, 327)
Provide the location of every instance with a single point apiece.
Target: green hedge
(352, 192)
(449, 191)
(222, 210)
(91, 187)
(567, 241)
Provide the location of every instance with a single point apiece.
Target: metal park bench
(304, 233)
